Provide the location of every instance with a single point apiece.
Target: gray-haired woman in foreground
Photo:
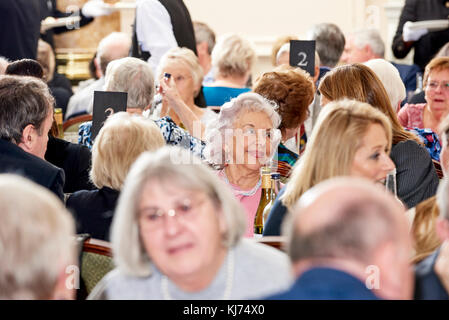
(177, 234)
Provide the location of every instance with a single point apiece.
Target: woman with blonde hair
(416, 177)
(351, 138)
(118, 144)
(232, 59)
(180, 90)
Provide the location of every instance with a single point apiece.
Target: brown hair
(357, 81)
(23, 101)
(436, 64)
(293, 91)
(423, 230)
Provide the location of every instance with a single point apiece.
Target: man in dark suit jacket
(348, 239)
(26, 116)
(432, 282)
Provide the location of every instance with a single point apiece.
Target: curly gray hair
(218, 131)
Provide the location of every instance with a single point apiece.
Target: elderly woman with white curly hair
(177, 234)
(240, 142)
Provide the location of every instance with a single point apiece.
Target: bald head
(114, 46)
(344, 217)
(352, 224)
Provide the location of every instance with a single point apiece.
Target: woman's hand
(171, 99)
(170, 95)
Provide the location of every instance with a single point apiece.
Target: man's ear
(201, 48)
(98, 68)
(442, 228)
(28, 137)
(62, 291)
(369, 52)
(317, 74)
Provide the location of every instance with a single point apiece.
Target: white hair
(217, 131)
(203, 33)
(186, 57)
(133, 76)
(233, 55)
(36, 239)
(119, 143)
(369, 37)
(114, 46)
(177, 167)
(390, 78)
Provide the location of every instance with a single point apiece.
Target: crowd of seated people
(173, 187)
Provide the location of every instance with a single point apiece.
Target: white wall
(262, 21)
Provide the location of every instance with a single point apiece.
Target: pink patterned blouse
(411, 115)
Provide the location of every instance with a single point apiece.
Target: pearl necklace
(228, 285)
(243, 193)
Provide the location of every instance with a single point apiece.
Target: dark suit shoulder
(93, 211)
(15, 160)
(93, 200)
(427, 284)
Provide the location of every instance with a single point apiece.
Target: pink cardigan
(249, 203)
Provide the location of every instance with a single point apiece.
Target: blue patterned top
(430, 140)
(172, 134)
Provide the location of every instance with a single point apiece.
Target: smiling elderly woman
(177, 235)
(240, 142)
(436, 88)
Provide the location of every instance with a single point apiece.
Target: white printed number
(303, 62)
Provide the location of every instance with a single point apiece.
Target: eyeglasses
(153, 218)
(433, 85)
(181, 78)
(249, 131)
